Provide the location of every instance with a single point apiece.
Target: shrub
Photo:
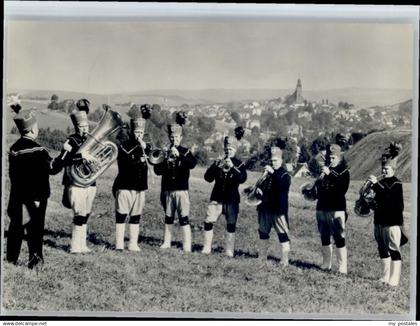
(52, 139)
(202, 157)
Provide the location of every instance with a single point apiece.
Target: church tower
(298, 92)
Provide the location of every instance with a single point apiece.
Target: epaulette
(285, 173)
(128, 151)
(389, 186)
(78, 142)
(336, 174)
(27, 151)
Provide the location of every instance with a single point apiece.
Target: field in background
(172, 281)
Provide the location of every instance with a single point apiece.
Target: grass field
(172, 281)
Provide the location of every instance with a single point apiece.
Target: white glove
(67, 147)
(372, 179)
(269, 169)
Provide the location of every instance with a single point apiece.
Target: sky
(116, 56)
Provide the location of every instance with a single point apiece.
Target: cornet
(366, 202)
(158, 155)
(223, 164)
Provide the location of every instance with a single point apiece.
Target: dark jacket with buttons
(71, 158)
(389, 202)
(275, 188)
(30, 166)
(332, 189)
(226, 185)
(175, 175)
(132, 166)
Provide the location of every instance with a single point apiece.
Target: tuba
(101, 146)
(363, 206)
(250, 193)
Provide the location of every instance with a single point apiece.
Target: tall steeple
(298, 92)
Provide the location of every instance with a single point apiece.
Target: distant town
(300, 121)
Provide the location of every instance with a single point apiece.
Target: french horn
(363, 207)
(101, 146)
(251, 197)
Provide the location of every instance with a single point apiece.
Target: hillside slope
(363, 158)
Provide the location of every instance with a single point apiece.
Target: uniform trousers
(35, 213)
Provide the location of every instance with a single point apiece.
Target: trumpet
(309, 190)
(251, 197)
(158, 155)
(364, 206)
(223, 164)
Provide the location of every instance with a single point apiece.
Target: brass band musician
(175, 172)
(130, 184)
(388, 217)
(228, 174)
(78, 198)
(273, 209)
(30, 166)
(331, 208)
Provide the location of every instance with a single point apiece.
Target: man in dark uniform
(175, 172)
(78, 198)
(29, 168)
(131, 184)
(388, 219)
(228, 174)
(273, 210)
(331, 208)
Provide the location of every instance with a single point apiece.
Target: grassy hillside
(171, 281)
(363, 158)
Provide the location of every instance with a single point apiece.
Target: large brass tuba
(366, 202)
(100, 144)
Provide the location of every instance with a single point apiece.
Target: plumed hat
(138, 115)
(276, 152)
(83, 105)
(389, 156)
(78, 117)
(24, 119)
(231, 142)
(335, 150)
(180, 120)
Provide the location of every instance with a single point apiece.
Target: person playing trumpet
(273, 209)
(175, 172)
(130, 184)
(388, 217)
(331, 208)
(227, 174)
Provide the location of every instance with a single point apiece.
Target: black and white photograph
(240, 161)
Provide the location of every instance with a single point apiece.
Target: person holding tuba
(228, 174)
(273, 209)
(331, 208)
(388, 216)
(79, 199)
(30, 166)
(175, 172)
(130, 184)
